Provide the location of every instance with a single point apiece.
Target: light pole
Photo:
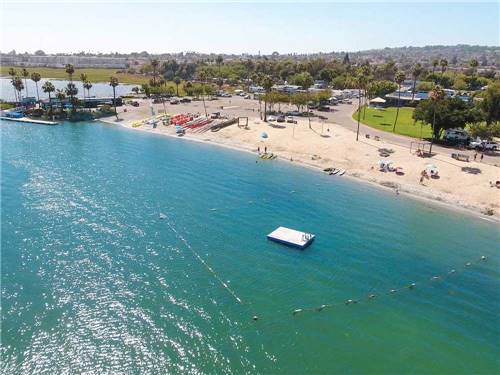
(359, 113)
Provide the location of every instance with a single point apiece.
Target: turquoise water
(94, 281)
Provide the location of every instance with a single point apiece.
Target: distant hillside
(457, 56)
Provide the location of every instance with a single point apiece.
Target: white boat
(334, 171)
(341, 172)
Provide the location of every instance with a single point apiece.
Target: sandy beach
(460, 184)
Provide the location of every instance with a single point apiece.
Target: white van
(456, 135)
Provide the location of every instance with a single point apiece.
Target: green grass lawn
(383, 119)
(93, 74)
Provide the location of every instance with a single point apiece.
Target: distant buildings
(59, 61)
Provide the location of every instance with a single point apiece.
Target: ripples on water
(94, 281)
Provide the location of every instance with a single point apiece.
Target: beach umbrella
(263, 135)
(432, 169)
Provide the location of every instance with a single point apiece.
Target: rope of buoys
(202, 261)
(372, 296)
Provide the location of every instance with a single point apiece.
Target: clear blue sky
(238, 27)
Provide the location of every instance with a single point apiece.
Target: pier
(29, 120)
(291, 237)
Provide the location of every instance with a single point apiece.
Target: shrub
(37, 112)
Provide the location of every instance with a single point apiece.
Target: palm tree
(435, 63)
(219, 61)
(72, 91)
(416, 72)
(61, 96)
(202, 76)
(12, 74)
(83, 78)
(113, 82)
(361, 81)
(177, 81)
(70, 70)
(154, 64)
(13, 82)
(399, 78)
(267, 84)
(474, 64)
(48, 88)
(36, 77)
(366, 71)
(437, 95)
(87, 85)
(444, 65)
(17, 82)
(25, 74)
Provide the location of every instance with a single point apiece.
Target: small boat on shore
(268, 156)
(333, 172)
(341, 172)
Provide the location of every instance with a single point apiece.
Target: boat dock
(28, 120)
(291, 237)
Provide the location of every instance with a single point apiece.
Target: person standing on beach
(475, 155)
(265, 149)
(482, 156)
(258, 150)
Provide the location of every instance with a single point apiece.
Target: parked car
(484, 145)
(294, 113)
(185, 100)
(134, 103)
(215, 115)
(280, 118)
(456, 135)
(247, 96)
(324, 108)
(290, 119)
(174, 101)
(271, 118)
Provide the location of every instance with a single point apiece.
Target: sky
(242, 27)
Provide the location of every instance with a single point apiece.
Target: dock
(28, 120)
(291, 237)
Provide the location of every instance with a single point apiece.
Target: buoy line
(373, 296)
(202, 261)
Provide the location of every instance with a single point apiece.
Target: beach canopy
(263, 135)
(378, 99)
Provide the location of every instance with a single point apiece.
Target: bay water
(122, 252)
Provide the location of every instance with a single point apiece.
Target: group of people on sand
(258, 150)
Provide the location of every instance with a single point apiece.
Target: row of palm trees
(48, 87)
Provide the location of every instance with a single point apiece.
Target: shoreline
(431, 197)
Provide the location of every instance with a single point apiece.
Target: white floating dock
(291, 237)
(29, 120)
